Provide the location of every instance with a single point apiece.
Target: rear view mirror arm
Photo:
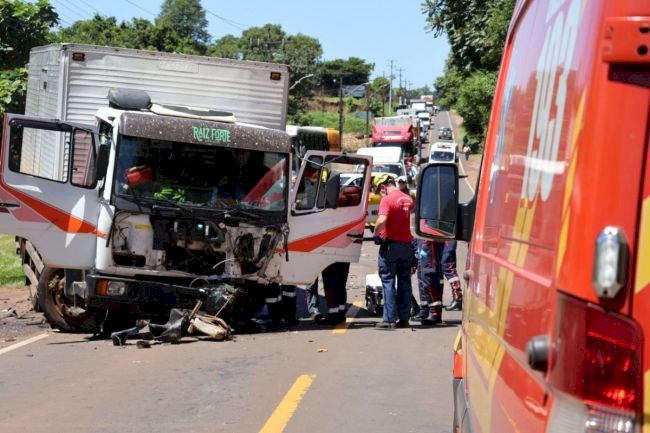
(466, 214)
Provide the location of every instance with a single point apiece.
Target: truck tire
(59, 312)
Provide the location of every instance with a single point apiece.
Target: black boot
(456, 305)
(289, 311)
(422, 314)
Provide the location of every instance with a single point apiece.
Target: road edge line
(460, 160)
(23, 343)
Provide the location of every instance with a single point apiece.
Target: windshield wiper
(171, 206)
(235, 212)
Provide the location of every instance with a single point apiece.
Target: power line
(90, 6)
(78, 7)
(232, 23)
(141, 8)
(72, 11)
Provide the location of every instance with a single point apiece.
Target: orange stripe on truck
(310, 243)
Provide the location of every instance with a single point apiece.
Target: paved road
(311, 378)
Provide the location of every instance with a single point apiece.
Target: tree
(23, 25)
(187, 18)
(354, 70)
(228, 47)
(97, 31)
(270, 43)
(477, 31)
(264, 43)
(474, 100)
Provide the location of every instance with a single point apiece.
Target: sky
(378, 31)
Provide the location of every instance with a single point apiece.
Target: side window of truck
(39, 152)
(83, 160)
(308, 188)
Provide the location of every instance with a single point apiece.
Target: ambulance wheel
(63, 313)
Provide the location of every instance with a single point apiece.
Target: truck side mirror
(436, 209)
(102, 161)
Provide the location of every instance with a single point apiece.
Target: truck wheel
(62, 313)
(33, 298)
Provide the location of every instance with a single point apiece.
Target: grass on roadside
(11, 272)
(329, 119)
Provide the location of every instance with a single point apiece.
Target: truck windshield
(204, 176)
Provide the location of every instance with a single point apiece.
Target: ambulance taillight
(595, 368)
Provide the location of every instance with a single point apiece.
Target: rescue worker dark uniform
(447, 260)
(335, 278)
(281, 304)
(429, 282)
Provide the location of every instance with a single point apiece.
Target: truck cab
(157, 205)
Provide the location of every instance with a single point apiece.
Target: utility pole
(341, 112)
(367, 109)
(390, 88)
(400, 70)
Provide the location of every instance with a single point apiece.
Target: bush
(11, 271)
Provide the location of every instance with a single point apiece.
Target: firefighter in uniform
(281, 305)
(447, 254)
(429, 282)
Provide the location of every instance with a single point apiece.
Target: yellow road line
(287, 407)
(22, 343)
(342, 327)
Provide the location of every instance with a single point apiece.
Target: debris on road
(8, 312)
(181, 323)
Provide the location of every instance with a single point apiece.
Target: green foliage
(186, 18)
(476, 30)
(354, 70)
(137, 33)
(474, 101)
(228, 47)
(329, 119)
(13, 86)
(23, 25)
(11, 272)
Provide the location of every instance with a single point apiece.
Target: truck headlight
(111, 288)
(116, 288)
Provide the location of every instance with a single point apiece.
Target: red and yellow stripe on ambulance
(547, 141)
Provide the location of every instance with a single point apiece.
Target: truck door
(48, 188)
(328, 211)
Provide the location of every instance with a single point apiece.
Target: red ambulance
(557, 304)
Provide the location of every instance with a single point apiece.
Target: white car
(443, 152)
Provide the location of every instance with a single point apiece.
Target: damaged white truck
(138, 181)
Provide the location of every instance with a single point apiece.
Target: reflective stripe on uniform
(273, 300)
(437, 303)
(289, 294)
